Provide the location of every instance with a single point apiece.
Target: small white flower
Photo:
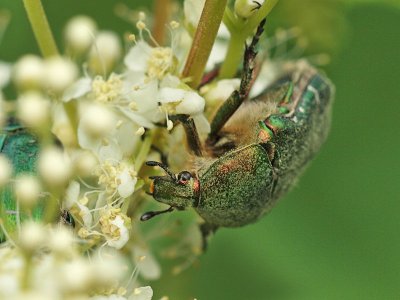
(79, 33)
(54, 167)
(33, 110)
(96, 121)
(27, 190)
(154, 62)
(61, 240)
(115, 226)
(127, 183)
(28, 72)
(59, 74)
(84, 163)
(75, 276)
(117, 177)
(32, 236)
(105, 52)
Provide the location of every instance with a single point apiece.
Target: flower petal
(78, 89)
(192, 104)
(127, 185)
(72, 194)
(136, 59)
(123, 234)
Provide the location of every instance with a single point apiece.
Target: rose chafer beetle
(256, 150)
(22, 149)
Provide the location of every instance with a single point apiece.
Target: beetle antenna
(162, 166)
(150, 214)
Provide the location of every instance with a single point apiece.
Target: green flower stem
(40, 27)
(203, 41)
(240, 30)
(233, 57)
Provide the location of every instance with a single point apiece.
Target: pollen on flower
(132, 37)
(114, 225)
(83, 233)
(140, 131)
(160, 62)
(174, 24)
(109, 90)
(133, 106)
(117, 178)
(140, 25)
(170, 125)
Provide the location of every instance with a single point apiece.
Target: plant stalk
(203, 41)
(40, 27)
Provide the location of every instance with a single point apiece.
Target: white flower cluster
(106, 118)
(47, 265)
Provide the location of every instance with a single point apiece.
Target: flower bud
(59, 73)
(85, 163)
(79, 34)
(54, 167)
(76, 276)
(32, 236)
(105, 52)
(28, 72)
(5, 170)
(61, 240)
(27, 190)
(34, 110)
(97, 120)
(246, 8)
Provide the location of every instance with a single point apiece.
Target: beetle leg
(163, 157)
(206, 230)
(229, 107)
(192, 135)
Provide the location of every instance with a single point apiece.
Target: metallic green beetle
(255, 151)
(22, 149)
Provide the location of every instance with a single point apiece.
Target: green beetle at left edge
(22, 149)
(257, 155)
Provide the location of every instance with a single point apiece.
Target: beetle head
(178, 191)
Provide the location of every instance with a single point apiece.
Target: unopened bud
(32, 236)
(54, 167)
(27, 190)
(105, 52)
(28, 72)
(97, 120)
(79, 34)
(34, 110)
(246, 8)
(59, 74)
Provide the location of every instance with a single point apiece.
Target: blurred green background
(336, 235)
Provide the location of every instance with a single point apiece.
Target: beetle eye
(184, 177)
